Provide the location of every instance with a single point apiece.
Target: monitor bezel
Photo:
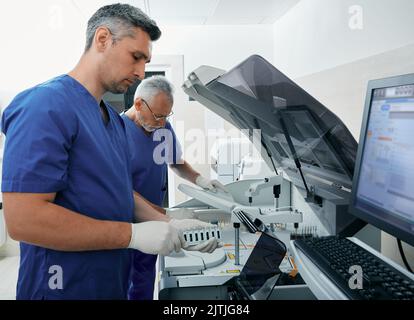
(379, 223)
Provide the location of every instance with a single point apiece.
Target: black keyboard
(335, 255)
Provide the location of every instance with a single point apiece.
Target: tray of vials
(196, 236)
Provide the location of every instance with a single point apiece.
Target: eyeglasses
(157, 117)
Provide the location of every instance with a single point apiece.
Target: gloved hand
(156, 237)
(206, 246)
(180, 213)
(209, 184)
(188, 224)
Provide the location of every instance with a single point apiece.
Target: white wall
(332, 48)
(220, 46)
(318, 34)
(40, 39)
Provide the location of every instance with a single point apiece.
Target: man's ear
(102, 38)
(138, 104)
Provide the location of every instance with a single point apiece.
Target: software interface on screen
(386, 177)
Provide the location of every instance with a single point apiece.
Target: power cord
(404, 259)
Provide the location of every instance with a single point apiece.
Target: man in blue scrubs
(67, 185)
(154, 145)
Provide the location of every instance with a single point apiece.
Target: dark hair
(120, 19)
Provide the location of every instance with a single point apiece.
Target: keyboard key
(391, 290)
(398, 295)
(375, 279)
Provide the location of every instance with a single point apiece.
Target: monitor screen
(383, 185)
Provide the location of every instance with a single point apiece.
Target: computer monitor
(383, 183)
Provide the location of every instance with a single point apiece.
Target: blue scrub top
(150, 155)
(57, 142)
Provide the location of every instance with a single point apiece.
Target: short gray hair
(120, 19)
(152, 86)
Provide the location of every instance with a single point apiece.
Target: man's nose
(140, 71)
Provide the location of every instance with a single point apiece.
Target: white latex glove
(209, 184)
(188, 224)
(180, 213)
(156, 237)
(207, 246)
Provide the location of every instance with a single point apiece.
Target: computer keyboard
(335, 255)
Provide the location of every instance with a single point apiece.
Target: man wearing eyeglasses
(153, 145)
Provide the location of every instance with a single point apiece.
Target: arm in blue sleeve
(40, 128)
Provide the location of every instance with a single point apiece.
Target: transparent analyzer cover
(255, 95)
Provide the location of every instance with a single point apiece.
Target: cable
(404, 259)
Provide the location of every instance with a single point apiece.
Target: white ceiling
(201, 12)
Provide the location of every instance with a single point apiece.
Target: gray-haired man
(154, 146)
